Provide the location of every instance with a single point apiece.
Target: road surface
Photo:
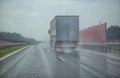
(40, 61)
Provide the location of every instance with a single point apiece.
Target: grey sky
(31, 18)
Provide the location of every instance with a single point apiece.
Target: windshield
(59, 39)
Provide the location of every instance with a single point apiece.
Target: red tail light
(58, 45)
(75, 45)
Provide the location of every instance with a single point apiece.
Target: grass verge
(6, 50)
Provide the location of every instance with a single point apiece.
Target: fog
(31, 18)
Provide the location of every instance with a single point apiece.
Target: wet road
(39, 61)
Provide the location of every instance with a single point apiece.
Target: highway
(40, 61)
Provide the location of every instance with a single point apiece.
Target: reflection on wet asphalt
(40, 61)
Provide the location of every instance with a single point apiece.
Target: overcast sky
(31, 18)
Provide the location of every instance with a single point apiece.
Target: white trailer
(64, 32)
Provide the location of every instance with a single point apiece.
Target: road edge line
(6, 56)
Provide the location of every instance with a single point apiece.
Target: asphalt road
(37, 61)
(40, 61)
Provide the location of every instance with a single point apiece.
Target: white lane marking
(61, 59)
(98, 53)
(92, 52)
(20, 56)
(12, 53)
(45, 60)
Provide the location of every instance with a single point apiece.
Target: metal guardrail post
(101, 47)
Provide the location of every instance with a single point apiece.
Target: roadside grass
(6, 50)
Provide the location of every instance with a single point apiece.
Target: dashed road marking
(60, 58)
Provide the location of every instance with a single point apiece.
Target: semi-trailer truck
(64, 33)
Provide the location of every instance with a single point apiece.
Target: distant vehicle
(64, 32)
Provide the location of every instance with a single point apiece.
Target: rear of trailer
(64, 32)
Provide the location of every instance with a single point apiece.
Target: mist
(31, 18)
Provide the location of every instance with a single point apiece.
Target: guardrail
(101, 47)
(10, 44)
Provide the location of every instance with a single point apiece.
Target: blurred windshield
(59, 39)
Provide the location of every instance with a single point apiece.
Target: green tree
(15, 37)
(113, 33)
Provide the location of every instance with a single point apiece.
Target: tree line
(15, 37)
(113, 33)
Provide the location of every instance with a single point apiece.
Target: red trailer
(94, 34)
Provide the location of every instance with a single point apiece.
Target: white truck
(64, 32)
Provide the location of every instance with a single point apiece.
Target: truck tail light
(75, 45)
(58, 45)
